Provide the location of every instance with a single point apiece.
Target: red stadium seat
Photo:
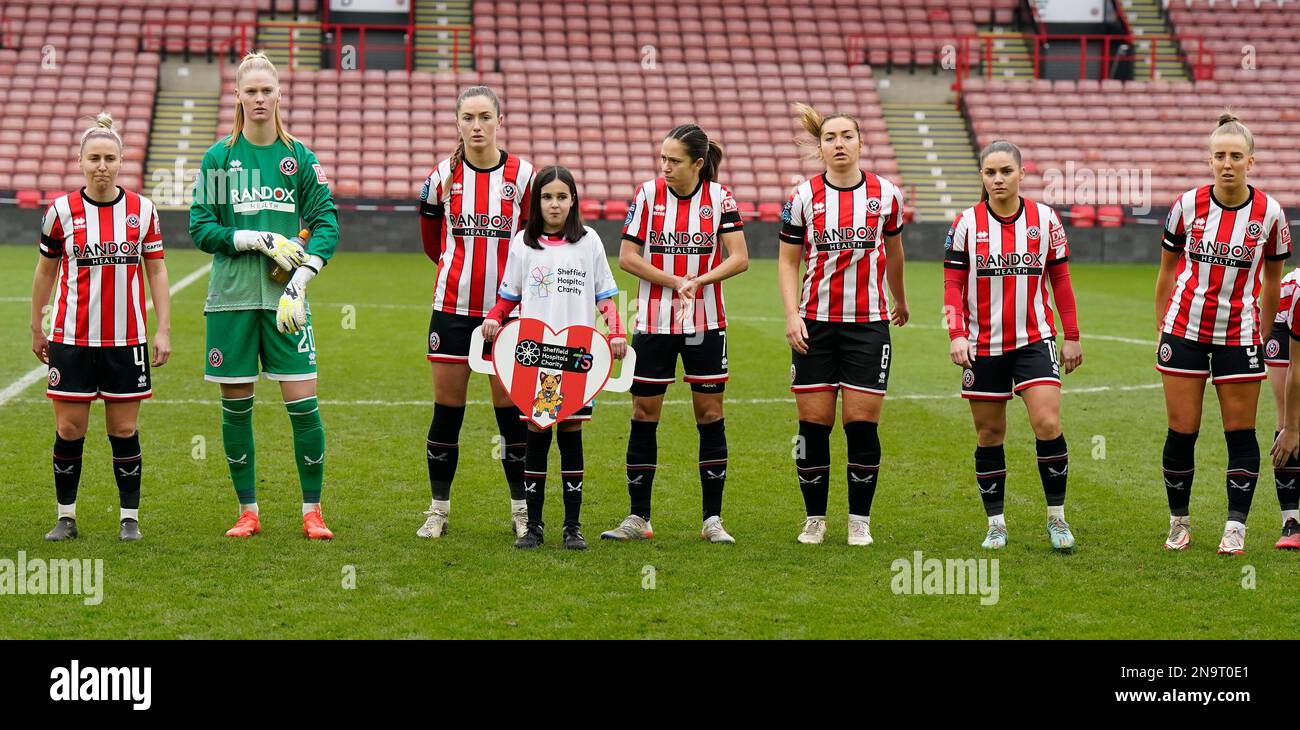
(1083, 216)
(1110, 216)
(28, 198)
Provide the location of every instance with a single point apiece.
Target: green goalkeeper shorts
(238, 339)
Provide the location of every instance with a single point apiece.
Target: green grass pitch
(187, 580)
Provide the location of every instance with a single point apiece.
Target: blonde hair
(812, 122)
(459, 154)
(102, 129)
(1230, 124)
(257, 61)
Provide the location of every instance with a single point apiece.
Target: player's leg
(815, 382)
(865, 354)
(535, 457)
(987, 385)
(72, 385)
(514, 437)
(704, 366)
(71, 418)
(1238, 402)
(990, 418)
(448, 356)
(1286, 478)
(1184, 368)
(656, 369)
(1036, 372)
(289, 358)
(233, 344)
(572, 473)
(121, 419)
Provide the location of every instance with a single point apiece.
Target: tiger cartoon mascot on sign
(549, 398)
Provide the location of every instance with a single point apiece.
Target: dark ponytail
(699, 146)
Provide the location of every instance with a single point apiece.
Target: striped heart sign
(549, 374)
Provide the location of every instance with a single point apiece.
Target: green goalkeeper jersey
(273, 188)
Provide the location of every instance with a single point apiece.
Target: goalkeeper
(256, 187)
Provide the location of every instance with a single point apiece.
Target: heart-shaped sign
(550, 375)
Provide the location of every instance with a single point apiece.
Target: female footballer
(93, 241)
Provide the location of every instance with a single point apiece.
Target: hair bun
(104, 119)
(1227, 118)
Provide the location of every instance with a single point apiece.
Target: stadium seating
(1266, 34)
(1154, 128)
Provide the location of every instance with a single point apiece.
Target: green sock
(237, 437)
(308, 446)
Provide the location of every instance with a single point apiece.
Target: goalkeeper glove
(291, 315)
(285, 253)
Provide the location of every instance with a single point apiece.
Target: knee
(1047, 426)
(70, 430)
(121, 430)
(991, 434)
(643, 410)
(708, 411)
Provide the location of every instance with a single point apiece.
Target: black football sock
(127, 465)
(642, 461)
(812, 461)
(1243, 472)
(67, 468)
(863, 466)
(1179, 464)
(539, 445)
(443, 448)
(1053, 469)
(514, 436)
(991, 475)
(1285, 479)
(713, 465)
(571, 474)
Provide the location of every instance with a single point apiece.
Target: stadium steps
(1147, 18)
(276, 34)
(1013, 56)
(935, 159)
(184, 126)
(443, 50)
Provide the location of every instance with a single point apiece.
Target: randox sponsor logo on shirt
(264, 197)
(838, 239)
(1010, 264)
(481, 225)
(1219, 253)
(690, 243)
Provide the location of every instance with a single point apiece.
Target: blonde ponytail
(1230, 124)
(102, 128)
(257, 61)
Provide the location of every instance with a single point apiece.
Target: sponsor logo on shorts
(1166, 352)
(55, 377)
(133, 221)
(289, 166)
(215, 358)
(1272, 348)
(706, 212)
(434, 341)
(967, 378)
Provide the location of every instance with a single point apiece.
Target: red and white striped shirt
(480, 210)
(680, 236)
(1287, 296)
(842, 231)
(100, 294)
(1215, 299)
(1006, 261)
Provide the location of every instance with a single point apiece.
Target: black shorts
(998, 377)
(704, 362)
(1226, 363)
(1277, 348)
(81, 373)
(449, 336)
(852, 355)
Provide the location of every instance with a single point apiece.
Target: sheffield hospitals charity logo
(541, 278)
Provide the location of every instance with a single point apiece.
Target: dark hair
(573, 229)
(459, 154)
(698, 145)
(997, 145)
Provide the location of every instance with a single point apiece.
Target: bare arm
(631, 261)
(160, 292)
(1165, 283)
(894, 276)
(42, 284)
(787, 274)
(1270, 294)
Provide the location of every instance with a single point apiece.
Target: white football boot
(435, 524)
(1180, 533)
(996, 538)
(814, 529)
(631, 528)
(860, 530)
(519, 517)
(713, 531)
(1234, 539)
